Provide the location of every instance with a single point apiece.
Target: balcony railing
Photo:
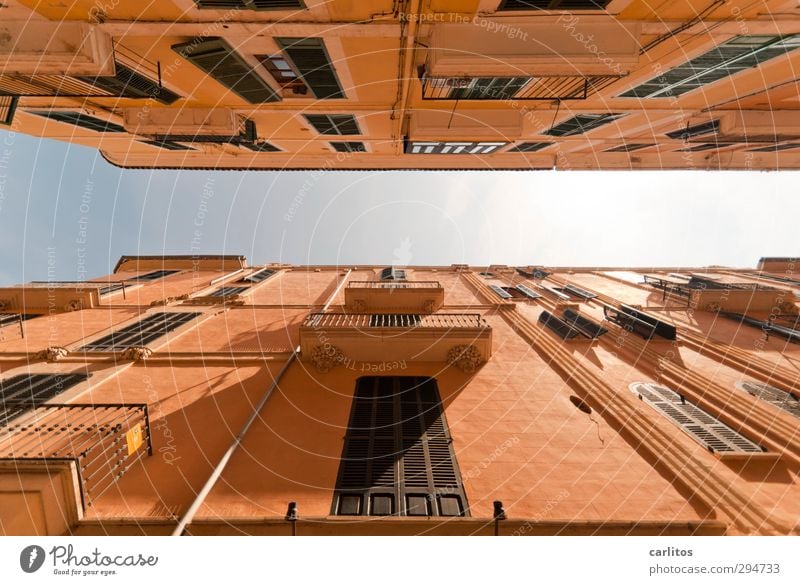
(399, 321)
(544, 87)
(388, 284)
(104, 440)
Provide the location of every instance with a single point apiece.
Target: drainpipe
(215, 475)
(406, 71)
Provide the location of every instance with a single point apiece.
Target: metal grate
(218, 59)
(311, 60)
(397, 457)
(333, 124)
(8, 105)
(731, 57)
(581, 124)
(20, 394)
(716, 436)
(363, 320)
(775, 396)
(104, 440)
(140, 333)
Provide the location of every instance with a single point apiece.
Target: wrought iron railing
(393, 284)
(541, 87)
(402, 321)
(104, 440)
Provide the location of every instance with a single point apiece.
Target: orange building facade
(201, 395)
(408, 84)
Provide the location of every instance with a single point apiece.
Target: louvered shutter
(311, 61)
(704, 428)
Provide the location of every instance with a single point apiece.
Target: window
(259, 276)
(530, 146)
(584, 325)
(453, 147)
(8, 105)
(579, 292)
(155, 275)
(20, 394)
(348, 146)
(731, 57)
(768, 328)
(528, 292)
(392, 273)
(500, 291)
(581, 124)
(556, 293)
(713, 434)
(557, 326)
(214, 56)
(229, 291)
(111, 288)
(250, 4)
(711, 127)
(776, 147)
(395, 320)
(707, 146)
(81, 120)
(283, 73)
(167, 144)
(338, 124)
(140, 333)
(128, 83)
(775, 396)
(640, 323)
(629, 147)
(398, 458)
(310, 59)
(552, 5)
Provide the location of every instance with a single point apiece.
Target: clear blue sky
(67, 198)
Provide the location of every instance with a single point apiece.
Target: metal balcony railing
(393, 284)
(401, 321)
(104, 440)
(543, 87)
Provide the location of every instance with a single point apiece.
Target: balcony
(712, 295)
(387, 340)
(57, 296)
(57, 460)
(424, 296)
(544, 87)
